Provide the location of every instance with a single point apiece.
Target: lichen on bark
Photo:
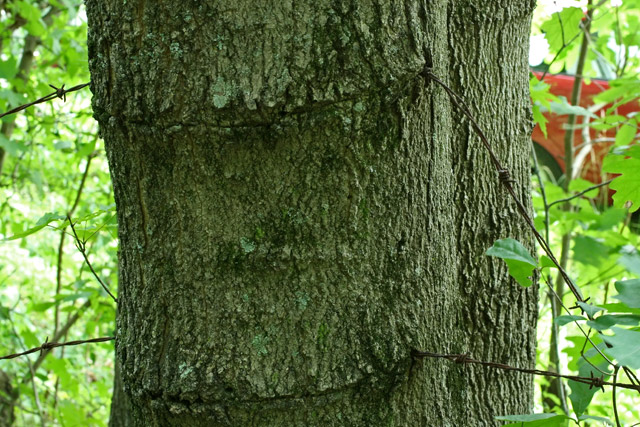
(292, 209)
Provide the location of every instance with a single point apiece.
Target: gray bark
(298, 210)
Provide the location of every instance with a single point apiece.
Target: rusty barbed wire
(50, 345)
(60, 92)
(505, 179)
(598, 382)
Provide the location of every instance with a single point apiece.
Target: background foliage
(54, 165)
(600, 240)
(45, 284)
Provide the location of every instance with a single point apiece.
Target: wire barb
(60, 92)
(46, 346)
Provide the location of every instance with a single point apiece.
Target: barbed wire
(506, 180)
(49, 345)
(598, 382)
(60, 92)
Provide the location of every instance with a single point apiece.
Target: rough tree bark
(298, 209)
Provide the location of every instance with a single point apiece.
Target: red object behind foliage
(587, 157)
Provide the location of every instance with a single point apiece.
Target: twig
(543, 193)
(32, 375)
(586, 335)
(49, 345)
(36, 396)
(60, 92)
(593, 187)
(598, 382)
(82, 248)
(613, 392)
(63, 234)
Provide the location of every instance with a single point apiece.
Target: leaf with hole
(517, 258)
(627, 185)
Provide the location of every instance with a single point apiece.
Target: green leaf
(562, 27)
(619, 307)
(77, 296)
(626, 89)
(25, 233)
(43, 306)
(625, 347)
(545, 262)
(562, 107)
(63, 145)
(627, 185)
(511, 249)
(31, 14)
(517, 258)
(604, 420)
(582, 394)
(579, 184)
(609, 219)
(4, 312)
(626, 133)
(49, 217)
(590, 309)
(630, 261)
(8, 68)
(535, 420)
(71, 414)
(564, 319)
(29, 338)
(11, 146)
(589, 251)
(540, 119)
(608, 320)
(629, 292)
(40, 224)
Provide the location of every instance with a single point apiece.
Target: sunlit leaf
(629, 292)
(517, 258)
(627, 186)
(564, 319)
(626, 133)
(625, 346)
(606, 321)
(536, 420)
(590, 309)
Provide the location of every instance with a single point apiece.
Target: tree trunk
(298, 209)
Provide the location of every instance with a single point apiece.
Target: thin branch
(62, 239)
(586, 335)
(81, 247)
(613, 392)
(36, 395)
(32, 375)
(575, 196)
(543, 193)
